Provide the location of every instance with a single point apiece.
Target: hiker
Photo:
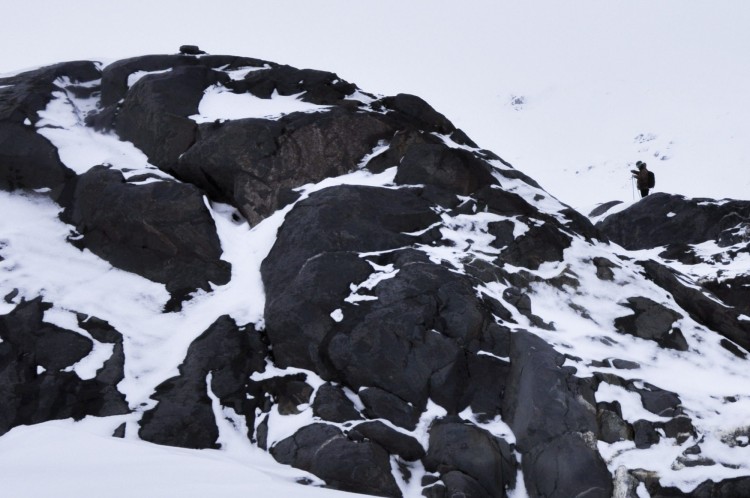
(641, 174)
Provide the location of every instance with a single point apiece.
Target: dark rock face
(154, 114)
(254, 163)
(648, 223)
(161, 230)
(552, 418)
(220, 360)
(34, 382)
(359, 467)
(317, 87)
(654, 322)
(27, 159)
(465, 448)
(725, 320)
(455, 170)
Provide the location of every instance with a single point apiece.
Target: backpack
(651, 179)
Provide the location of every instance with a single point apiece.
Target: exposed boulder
(254, 164)
(663, 219)
(22, 96)
(115, 76)
(456, 170)
(219, 361)
(699, 306)
(36, 384)
(552, 415)
(564, 467)
(29, 161)
(459, 446)
(159, 230)
(358, 467)
(652, 321)
(395, 442)
(332, 405)
(317, 87)
(154, 114)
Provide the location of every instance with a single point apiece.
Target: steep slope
(209, 246)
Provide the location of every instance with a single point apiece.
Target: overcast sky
(604, 83)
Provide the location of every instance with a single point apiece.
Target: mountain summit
(210, 251)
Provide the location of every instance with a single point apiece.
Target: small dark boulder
(191, 50)
(456, 445)
(359, 467)
(395, 442)
(382, 404)
(35, 384)
(652, 321)
(331, 404)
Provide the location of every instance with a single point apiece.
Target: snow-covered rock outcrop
(197, 246)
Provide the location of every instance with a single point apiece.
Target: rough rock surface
(159, 230)
(423, 301)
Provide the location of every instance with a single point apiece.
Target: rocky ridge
(432, 319)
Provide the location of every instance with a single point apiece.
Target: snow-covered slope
(667, 402)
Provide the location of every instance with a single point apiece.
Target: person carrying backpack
(643, 177)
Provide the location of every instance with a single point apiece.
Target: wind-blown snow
(219, 103)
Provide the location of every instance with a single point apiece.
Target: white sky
(594, 75)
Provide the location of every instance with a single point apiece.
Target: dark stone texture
(161, 230)
(459, 446)
(331, 404)
(154, 114)
(29, 161)
(35, 387)
(252, 163)
(317, 87)
(552, 415)
(455, 170)
(288, 392)
(645, 434)
(183, 415)
(659, 401)
(395, 442)
(612, 428)
(654, 322)
(333, 220)
(701, 308)
(115, 76)
(603, 208)
(645, 224)
(299, 322)
(382, 404)
(542, 399)
(565, 467)
(27, 93)
(538, 245)
(358, 467)
(417, 113)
